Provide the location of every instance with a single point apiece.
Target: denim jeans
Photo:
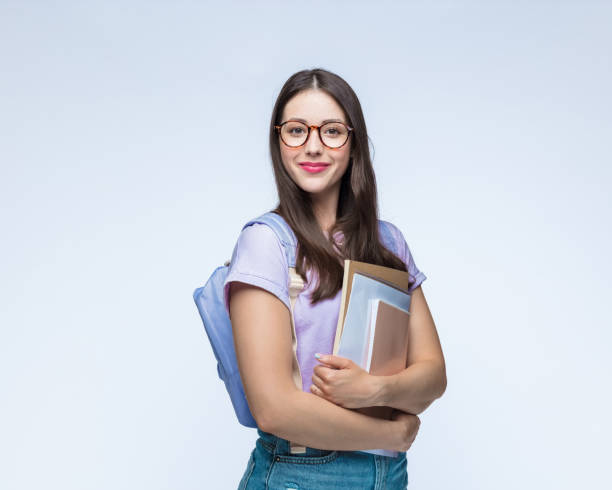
(272, 467)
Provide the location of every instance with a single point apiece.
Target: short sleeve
(259, 259)
(413, 271)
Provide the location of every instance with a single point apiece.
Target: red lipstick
(314, 167)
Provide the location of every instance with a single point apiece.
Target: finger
(316, 391)
(336, 362)
(325, 365)
(322, 372)
(318, 382)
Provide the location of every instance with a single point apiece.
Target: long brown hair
(357, 211)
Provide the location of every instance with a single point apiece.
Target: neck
(325, 207)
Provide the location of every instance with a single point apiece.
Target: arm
(262, 338)
(416, 387)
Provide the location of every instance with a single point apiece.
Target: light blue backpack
(210, 303)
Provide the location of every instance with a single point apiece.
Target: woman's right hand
(407, 427)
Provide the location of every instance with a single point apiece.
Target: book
(387, 351)
(388, 339)
(387, 274)
(376, 305)
(354, 334)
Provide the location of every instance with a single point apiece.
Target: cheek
(285, 154)
(344, 158)
(287, 159)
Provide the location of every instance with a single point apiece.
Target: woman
(327, 195)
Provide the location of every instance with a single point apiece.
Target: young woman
(327, 194)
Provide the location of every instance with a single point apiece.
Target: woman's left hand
(341, 381)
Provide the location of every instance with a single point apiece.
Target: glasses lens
(334, 134)
(294, 133)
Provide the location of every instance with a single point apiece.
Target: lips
(314, 164)
(314, 167)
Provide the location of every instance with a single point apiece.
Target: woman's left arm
(412, 390)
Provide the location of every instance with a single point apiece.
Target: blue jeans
(272, 467)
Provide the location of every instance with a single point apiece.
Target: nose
(313, 144)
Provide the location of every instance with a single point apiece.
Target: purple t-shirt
(259, 259)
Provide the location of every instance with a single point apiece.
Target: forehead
(314, 106)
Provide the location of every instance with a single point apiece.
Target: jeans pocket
(326, 457)
(397, 472)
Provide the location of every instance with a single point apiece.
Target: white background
(133, 147)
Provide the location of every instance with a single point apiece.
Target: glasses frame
(310, 128)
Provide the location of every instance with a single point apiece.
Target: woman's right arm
(262, 337)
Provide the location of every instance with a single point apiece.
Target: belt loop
(283, 446)
(277, 447)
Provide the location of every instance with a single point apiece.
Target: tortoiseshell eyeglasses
(333, 135)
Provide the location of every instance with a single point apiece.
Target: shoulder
(259, 259)
(406, 255)
(258, 234)
(258, 243)
(390, 225)
(395, 236)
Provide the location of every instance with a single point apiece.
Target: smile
(314, 167)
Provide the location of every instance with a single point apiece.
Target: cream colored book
(388, 275)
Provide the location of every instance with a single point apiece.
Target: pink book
(387, 352)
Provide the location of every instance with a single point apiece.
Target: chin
(311, 189)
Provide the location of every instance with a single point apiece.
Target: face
(315, 106)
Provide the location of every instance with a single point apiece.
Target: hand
(341, 381)
(408, 427)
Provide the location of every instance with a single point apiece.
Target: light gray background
(133, 147)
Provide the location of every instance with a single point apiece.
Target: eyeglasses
(333, 135)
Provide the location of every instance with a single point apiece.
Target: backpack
(210, 303)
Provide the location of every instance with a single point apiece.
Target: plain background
(133, 147)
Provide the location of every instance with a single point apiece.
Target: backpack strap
(386, 236)
(283, 232)
(296, 285)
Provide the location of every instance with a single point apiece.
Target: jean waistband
(279, 446)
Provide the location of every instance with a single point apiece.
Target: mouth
(314, 166)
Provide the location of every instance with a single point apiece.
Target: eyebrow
(323, 122)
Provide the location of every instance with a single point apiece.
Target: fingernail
(318, 356)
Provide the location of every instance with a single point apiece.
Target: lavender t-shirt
(259, 259)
